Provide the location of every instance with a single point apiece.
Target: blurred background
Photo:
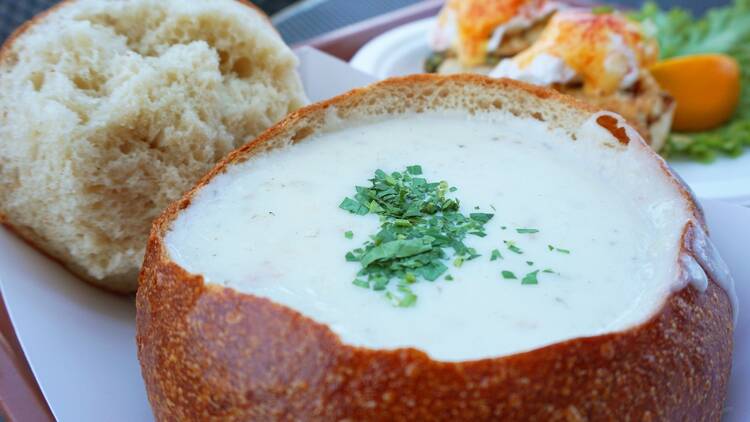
(301, 20)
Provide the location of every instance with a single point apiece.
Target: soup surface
(606, 226)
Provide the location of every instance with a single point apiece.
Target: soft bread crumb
(110, 110)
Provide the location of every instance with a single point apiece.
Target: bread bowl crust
(120, 283)
(211, 353)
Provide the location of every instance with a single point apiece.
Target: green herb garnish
(529, 263)
(349, 234)
(508, 275)
(527, 231)
(449, 278)
(353, 206)
(561, 250)
(512, 246)
(495, 255)
(403, 300)
(419, 223)
(530, 278)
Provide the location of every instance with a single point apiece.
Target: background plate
(401, 51)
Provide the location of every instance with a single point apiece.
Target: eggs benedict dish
(603, 59)
(474, 35)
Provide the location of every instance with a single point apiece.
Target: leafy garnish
(481, 217)
(349, 234)
(361, 283)
(530, 278)
(419, 223)
(722, 30)
(495, 255)
(527, 231)
(561, 250)
(353, 206)
(414, 170)
(405, 299)
(512, 246)
(508, 275)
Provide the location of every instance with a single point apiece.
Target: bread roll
(111, 109)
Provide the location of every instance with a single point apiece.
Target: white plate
(80, 343)
(401, 51)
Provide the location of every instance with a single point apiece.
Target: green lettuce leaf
(722, 30)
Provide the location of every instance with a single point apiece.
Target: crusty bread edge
(170, 302)
(112, 284)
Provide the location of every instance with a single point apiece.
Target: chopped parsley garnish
(353, 207)
(508, 275)
(530, 278)
(529, 263)
(403, 299)
(561, 250)
(419, 223)
(527, 231)
(549, 271)
(449, 278)
(512, 246)
(481, 217)
(495, 255)
(349, 234)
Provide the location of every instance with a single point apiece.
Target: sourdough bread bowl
(246, 308)
(112, 109)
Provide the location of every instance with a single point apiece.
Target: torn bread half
(249, 305)
(112, 109)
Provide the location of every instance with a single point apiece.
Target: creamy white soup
(606, 226)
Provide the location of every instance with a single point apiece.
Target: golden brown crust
(211, 353)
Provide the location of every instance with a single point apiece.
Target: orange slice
(706, 87)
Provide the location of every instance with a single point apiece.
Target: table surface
(297, 21)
